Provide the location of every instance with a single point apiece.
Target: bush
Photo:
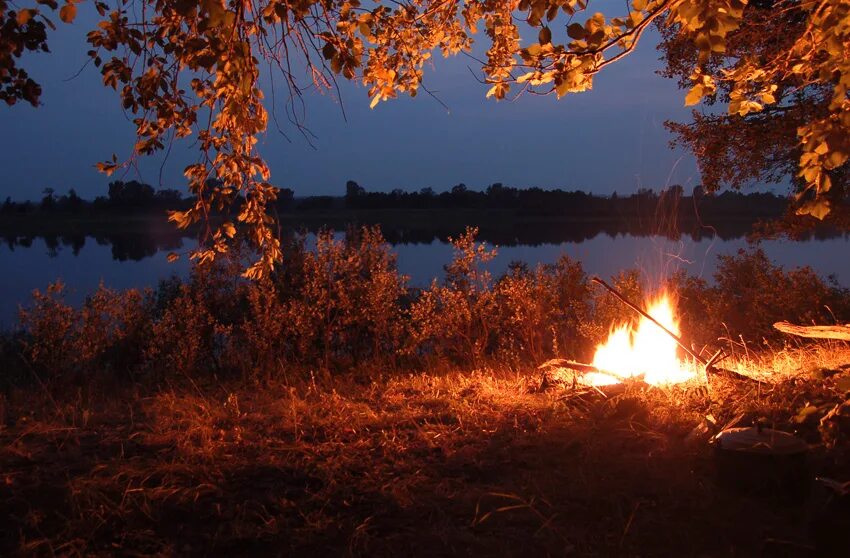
(187, 339)
(102, 337)
(751, 293)
(342, 305)
(544, 313)
(457, 319)
(342, 301)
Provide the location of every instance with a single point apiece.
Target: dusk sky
(609, 139)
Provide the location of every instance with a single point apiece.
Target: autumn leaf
(576, 31)
(68, 13)
(24, 16)
(818, 208)
(694, 96)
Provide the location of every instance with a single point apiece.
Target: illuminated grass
(439, 463)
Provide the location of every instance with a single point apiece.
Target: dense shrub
(345, 307)
(457, 319)
(750, 293)
(105, 335)
(187, 338)
(544, 312)
(342, 305)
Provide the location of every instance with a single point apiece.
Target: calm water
(83, 267)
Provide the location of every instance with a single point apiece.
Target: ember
(645, 350)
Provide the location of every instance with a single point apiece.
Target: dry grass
(476, 463)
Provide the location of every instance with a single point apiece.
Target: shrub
(183, 340)
(343, 305)
(50, 326)
(751, 293)
(457, 319)
(545, 312)
(104, 336)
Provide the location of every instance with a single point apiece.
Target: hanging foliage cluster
(192, 67)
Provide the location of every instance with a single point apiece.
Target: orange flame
(643, 351)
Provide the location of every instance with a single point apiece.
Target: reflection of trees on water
(138, 245)
(125, 245)
(556, 232)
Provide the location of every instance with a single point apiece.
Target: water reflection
(144, 242)
(124, 245)
(137, 258)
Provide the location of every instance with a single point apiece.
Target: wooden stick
(580, 369)
(643, 313)
(839, 332)
(716, 357)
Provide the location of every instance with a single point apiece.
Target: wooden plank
(838, 332)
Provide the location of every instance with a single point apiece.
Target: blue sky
(609, 139)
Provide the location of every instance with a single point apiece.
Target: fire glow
(644, 351)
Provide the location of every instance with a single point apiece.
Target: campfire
(645, 350)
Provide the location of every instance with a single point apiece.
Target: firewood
(563, 373)
(838, 332)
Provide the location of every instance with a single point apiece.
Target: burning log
(837, 332)
(570, 374)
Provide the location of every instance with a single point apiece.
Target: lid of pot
(767, 441)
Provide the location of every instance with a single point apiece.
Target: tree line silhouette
(505, 216)
(576, 203)
(135, 196)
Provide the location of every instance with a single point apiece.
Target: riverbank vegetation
(331, 409)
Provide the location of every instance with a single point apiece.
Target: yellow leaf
(694, 96)
(639, 4)
(767, 98)
(835, 160)
(376, 99)
(817, 208)
(523, 78)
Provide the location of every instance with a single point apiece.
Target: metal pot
(763, 461)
